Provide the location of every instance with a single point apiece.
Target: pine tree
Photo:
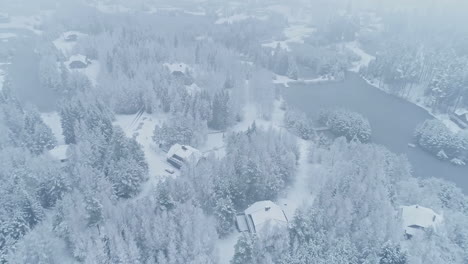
(392, 254)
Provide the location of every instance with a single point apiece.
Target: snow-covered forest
(233, 132)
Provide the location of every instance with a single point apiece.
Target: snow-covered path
(300, 192)
(366, 58)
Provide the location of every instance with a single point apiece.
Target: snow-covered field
(293, 34)
(52, 120)
(284, 80)
(177, 66)
(2, 78)
(7, 36)
(23, 22)
(231, 19)
(66, 47)
(365, 57)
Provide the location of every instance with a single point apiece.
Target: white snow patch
(2, 79)
(66, 47)
(60, 152)
(293, 34)
(23, 22)
(178, 66)
(195, 13)
(193, 88)
(226, 247)
(365, 57)
(7, 35)
(52, 120)
(299, 194)
(109, 8)
(232, 19)
(141, 128)
(284, 80)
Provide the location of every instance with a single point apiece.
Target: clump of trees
(181, 130)
(345, 123)
(298, 123)
(434, 136)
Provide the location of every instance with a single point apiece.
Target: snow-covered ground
(2, 78)
(52, 119)
(293, 34)
(66, 47)
(232, 19)
(7, 36)
(141, 128)
(365, 57)
(110, 8)
(23, 22)
(284, 80)
(178, 66)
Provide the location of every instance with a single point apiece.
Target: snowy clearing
(7, 35)
(52, 120)
(232, 19)
(365, 57)
(66, 46)
(141, 128)
(293, 34)
(284, 80)
(177, 66)
(110, 8)
(2, 79)
(23, 22)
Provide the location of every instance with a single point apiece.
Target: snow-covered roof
(78, 57)
(266, 212)
(59, 152)
(185, 152)
(177, 67)
(416, 217)
(461, 111)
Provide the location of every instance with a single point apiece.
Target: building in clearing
(260, 215)
(60, 153)
(416, 219)
(180, 154)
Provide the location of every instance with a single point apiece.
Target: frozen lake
(393, 120)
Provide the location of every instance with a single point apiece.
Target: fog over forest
(234, 132)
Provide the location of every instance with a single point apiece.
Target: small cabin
(416, 219)
(261, 215)
(179, 154)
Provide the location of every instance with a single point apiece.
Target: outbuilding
(261, 215)
(179, 154)
(416, 219)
